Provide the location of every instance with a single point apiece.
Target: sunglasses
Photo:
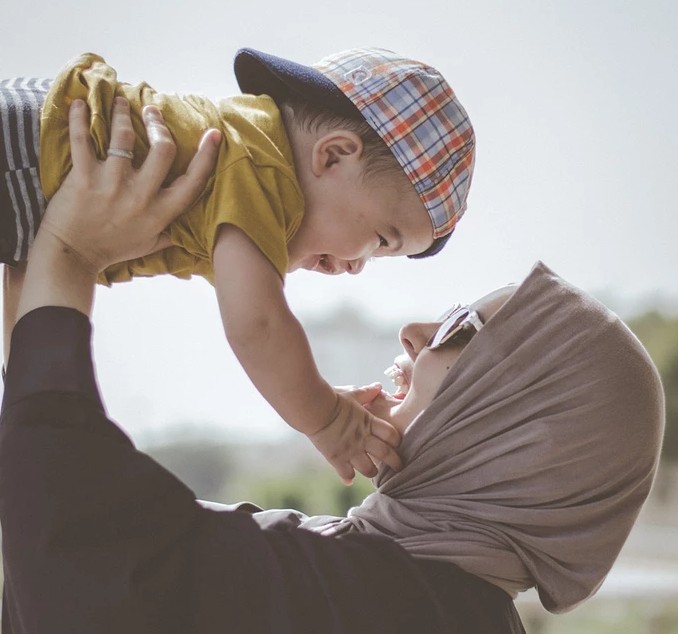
(453, 322)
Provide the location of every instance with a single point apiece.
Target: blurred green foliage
(659, 334)
(314, 494)
(226, 473)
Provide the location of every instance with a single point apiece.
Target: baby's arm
(273, 349)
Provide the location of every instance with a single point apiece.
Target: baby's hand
(382, 405)
(354, 439)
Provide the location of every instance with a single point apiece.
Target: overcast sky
(574, 104)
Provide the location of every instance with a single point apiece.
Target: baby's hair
(378, 160)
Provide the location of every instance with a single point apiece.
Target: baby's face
(348, 220)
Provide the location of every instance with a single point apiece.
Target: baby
(365, 154)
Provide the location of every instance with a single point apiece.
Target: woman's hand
(106, 211)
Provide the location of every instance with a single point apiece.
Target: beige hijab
(532, 462)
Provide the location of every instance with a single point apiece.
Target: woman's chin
(397, 409)
(401, 416)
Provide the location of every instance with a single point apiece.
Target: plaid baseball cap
(408, 104)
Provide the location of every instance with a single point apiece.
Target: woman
(97, 537)
(532, 423)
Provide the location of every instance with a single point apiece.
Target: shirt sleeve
(51, 352)
(261, 202)
(94, 531)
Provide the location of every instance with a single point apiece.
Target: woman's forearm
(106, 211)
(12, 284)
(56, 276)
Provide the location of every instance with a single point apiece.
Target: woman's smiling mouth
(399, 379)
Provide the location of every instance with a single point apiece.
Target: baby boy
(365, 154)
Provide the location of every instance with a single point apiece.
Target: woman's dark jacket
(97, 537)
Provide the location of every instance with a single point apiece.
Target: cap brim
(259, 73)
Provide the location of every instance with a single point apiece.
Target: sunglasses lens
(449, 312)
(448, 328)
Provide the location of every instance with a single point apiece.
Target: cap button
(358, 75)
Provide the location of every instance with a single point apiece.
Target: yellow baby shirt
(254, 186)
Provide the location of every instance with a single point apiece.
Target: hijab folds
(532, 462)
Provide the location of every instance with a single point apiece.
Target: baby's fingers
(382, 452)
(361, 395)
(363, 464)
(384, 431)
(345, 471)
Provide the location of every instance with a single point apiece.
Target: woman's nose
(415, 336)
(353, 267)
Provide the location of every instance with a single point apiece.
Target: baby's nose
(353, 267)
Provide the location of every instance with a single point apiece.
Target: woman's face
(420, 371)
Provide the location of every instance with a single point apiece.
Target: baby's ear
(334, 147)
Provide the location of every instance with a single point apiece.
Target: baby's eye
(383, 242)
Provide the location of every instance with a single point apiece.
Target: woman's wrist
(57, 276)
(106, 211)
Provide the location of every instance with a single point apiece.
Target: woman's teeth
(398, 377)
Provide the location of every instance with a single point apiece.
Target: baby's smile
(326, 266)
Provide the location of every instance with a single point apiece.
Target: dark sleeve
(87, 520)
(51, 352)
(99, 538)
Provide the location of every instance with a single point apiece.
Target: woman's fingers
(362, 463)
(121, 148)
(127, 209)
(345, 471)
(384, 431)
(162, 149)
(383, 452)
(82, 148)
(185, 189)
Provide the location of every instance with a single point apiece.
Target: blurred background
(573, 103)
